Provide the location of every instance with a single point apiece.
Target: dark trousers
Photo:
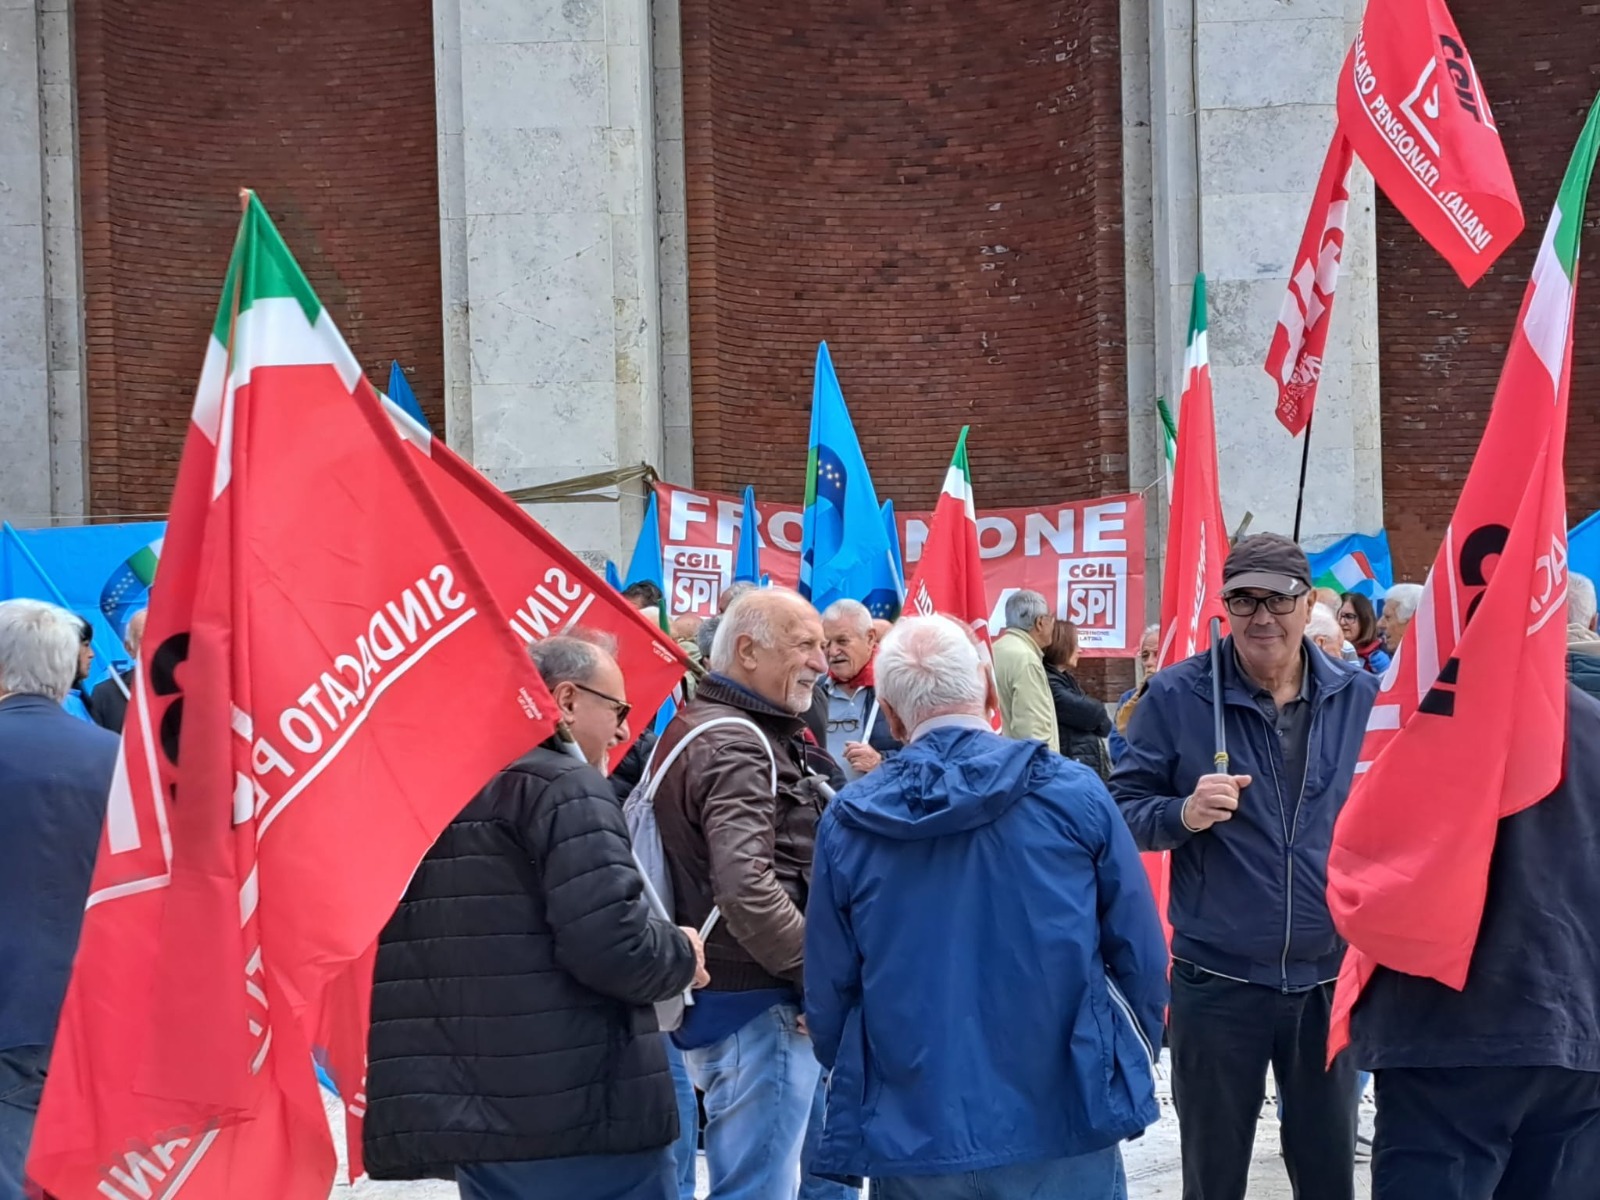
(1487, 1133)
(1224, 1034)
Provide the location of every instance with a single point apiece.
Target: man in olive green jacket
(1026, 710)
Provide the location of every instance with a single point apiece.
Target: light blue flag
(665, 713)
(1583, 547)
(747, 557)
(892, 528)
(400, 392)
(646, 566)
(1357, 563)
(614, 579)
(844, 551)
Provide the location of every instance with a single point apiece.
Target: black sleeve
(1076, 711)
(605, 933)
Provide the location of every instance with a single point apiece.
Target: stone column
(41, 372)
(548, 222)
(1243, 111)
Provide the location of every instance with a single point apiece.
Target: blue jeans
(651, 1175)
(760, 1084)
(22, 1071)
(814, 1187)
(688, 1143)
(1096, 1176)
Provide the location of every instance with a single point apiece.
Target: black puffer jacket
(1081, 719)
(511, 1014)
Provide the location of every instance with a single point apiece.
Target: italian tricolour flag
(1470, 725)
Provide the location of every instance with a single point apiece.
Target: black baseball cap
(1269, 561)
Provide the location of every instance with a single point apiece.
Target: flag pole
(1218, 731)
(1305, 462)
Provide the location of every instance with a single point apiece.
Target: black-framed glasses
(1349, 618)
(622, 707)
(1241, 605)
(844, 725)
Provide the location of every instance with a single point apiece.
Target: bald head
(133, 635)
(770, 641)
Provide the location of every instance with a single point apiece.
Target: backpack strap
(652, 778)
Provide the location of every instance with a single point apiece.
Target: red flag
(1294, 359)
(547, 591)
(1470, 725)
(1413, 107)
(325, 680)
(544, 588)
(1197, 539)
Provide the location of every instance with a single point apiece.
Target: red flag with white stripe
(1294, 360)
(325, 681)
(1470, 724)
(1197, 539)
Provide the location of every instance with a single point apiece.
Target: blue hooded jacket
(985, 969)
(1249, 895)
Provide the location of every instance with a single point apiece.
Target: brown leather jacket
(729, 842)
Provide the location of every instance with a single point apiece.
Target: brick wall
(1441, 345)
(933, 187)
(328, 111)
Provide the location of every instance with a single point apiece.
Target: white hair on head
(928, 667)
(1580, 600)
(852, 611)
(751, 616)
(1401, 600)
(1024, 608)
(1153, 630)
(1324, 623)
(38, 648)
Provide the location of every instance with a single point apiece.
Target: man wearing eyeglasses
(513, 1043)
(1255, 953)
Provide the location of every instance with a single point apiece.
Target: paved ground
(1152, 1164)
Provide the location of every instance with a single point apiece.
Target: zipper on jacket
(1294, 828)
(1121, 1003)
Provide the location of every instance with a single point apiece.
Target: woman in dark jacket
(1360, 625)
(1082, 719)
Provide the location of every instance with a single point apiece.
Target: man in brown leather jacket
(738, 812)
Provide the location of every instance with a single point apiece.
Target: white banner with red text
(1086, 557)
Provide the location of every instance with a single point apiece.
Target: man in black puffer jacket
(513, 1043)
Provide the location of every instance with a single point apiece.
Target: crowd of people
(872, 908)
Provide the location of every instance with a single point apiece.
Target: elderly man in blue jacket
(985, 971)
(55, 775)
(1255, 953)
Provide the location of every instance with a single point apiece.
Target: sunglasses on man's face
(1241, 605)
(621, 707)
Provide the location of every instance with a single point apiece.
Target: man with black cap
(1255, 954)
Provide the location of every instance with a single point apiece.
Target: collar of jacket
(719, 689)
(1026, 637)
(29, 700)
(1328, 676)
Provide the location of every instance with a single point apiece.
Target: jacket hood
(947, 781)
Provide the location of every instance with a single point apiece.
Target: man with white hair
(737, 809)
(985, 969)
(1323, 630)
(55, 775)
(858, 728)
(1399, 606)
(1026, 708)
(108, 703)
(1583, 643)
